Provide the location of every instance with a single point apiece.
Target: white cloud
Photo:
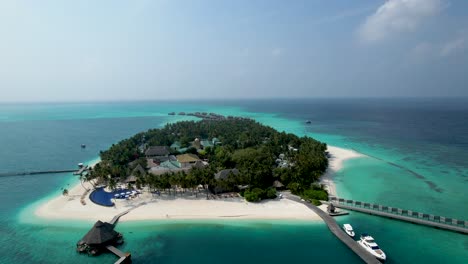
(396, 17)
(425, 51)
(455, 45)
(345, 14)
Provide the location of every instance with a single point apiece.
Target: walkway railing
(402, 214)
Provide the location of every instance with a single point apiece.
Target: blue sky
(133, 50)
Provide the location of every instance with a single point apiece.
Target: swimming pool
(101, 197)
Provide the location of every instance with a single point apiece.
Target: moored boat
(369, 244)
(349, 230)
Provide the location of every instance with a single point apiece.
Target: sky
(157, 50)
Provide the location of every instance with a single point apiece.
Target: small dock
(338, 213)
(435, 221)
(337, 231)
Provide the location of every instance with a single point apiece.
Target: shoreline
(188, 206)
(335, 163)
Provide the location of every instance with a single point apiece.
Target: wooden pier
(435, 221)
(81, 170)
(123, 257)
(116, 218)
(337, 231)
(24, 173)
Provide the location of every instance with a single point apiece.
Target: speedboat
(369, 244)
(348, 229)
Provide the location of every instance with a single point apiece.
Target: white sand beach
(335, 163)
(187, 206)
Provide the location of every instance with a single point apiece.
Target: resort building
(158, 152)
(187, 160)
(138, 171)
(223, 175)
(101, 235)
(165, 167)
(278, 185)
(177, 147)
(197, 144)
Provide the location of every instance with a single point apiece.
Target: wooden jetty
(116, 218)
(123, 257)
(435, 221)
(81, 170)
(337, 231)
(24, 173)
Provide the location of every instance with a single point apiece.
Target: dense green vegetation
(260, 153)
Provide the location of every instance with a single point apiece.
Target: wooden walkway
(24, 173)
(123, 257)
(337, 231)
(116, 218)
(435, 221)
(81, 170)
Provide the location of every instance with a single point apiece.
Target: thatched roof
(278, 184)
(100, 233)
(131, 178)
(157, 151)
(187, 158)
(199, 164)
(140, 169)
(222, 175)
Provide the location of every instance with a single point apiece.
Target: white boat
(368, 243)
(348, 229)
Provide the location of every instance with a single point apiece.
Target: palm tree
(82, 180)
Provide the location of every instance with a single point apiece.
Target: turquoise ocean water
(417, 159)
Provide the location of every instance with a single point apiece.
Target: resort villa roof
(224, 174)
(186, 158)
(176, 145)
(166, 166)
(206, 143)
(157, 151)
(137, 170)
(100, 234)
(278, 184)
(200, 164)
(169, 164)
(131, 178)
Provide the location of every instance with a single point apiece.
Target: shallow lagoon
(49, 136)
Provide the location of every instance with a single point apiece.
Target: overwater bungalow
(102, 234)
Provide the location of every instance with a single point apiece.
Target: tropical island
(224, 156)
(209, 169)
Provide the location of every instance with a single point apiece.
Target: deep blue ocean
(417, 159)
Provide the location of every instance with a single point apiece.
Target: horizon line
(232, 99)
